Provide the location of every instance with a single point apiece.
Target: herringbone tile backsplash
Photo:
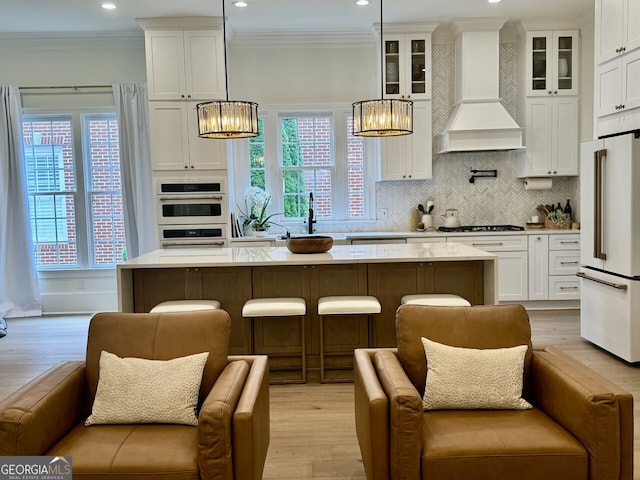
(501, 200)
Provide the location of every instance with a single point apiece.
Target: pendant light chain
(224, 43)
(382, 51)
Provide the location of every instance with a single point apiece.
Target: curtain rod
(73, 87)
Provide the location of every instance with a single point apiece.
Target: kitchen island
(235, 275)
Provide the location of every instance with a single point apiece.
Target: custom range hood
(479, 122)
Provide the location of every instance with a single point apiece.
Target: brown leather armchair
(580, 427)
(47, 416)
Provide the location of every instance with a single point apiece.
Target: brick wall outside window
(52, 170)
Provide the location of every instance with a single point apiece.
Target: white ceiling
(20, 16)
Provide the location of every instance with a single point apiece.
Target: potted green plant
(255, 214)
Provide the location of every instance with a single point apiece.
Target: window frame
(333, 168)
(90, 191)
(43, 153)
(81, 196)
(339, 114)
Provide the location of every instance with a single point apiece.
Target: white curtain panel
(19, 293)
(135, 160)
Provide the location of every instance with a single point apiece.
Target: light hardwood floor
(312, 425)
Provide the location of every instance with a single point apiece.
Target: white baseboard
(78, 291)
(79, 302)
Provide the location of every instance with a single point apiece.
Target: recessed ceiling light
(108, 6)
(241, 4)
(494, 1)
(362, 2)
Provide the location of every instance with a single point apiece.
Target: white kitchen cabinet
(538, 267)
(406, 71)
(552, 63)
(551, 137)
(377, 241)
(409, 157)
(175, 144)
(252, 243)
(512, 262)
(426, 239)
(617, 28)
(618, 85)
(185, 64)
(617, 69)
(564, 262)
(554, 260)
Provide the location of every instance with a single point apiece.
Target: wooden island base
(143, 284)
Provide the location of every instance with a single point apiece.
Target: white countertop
(348, 236)
(339, 254)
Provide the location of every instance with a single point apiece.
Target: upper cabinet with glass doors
(552, 63)
(406, 71)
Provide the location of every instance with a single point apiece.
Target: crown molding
(406, 27)
(587, 20)
(180, 23)
(541, 24)
(301, 39)
(91, 39)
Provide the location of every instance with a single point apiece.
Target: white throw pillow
(468, 378)
(137, 390)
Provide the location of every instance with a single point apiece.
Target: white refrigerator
(610, 244)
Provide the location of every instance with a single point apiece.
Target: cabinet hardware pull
(598, 160)
(192, 242)
(567, 242)
(164, 198)
(569, 263)
(618, 286)
(568, 288)
(489, 244)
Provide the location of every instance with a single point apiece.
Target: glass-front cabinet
(407, 66)
(552, 63)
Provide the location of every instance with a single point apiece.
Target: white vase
(259, 233)
(563, 67)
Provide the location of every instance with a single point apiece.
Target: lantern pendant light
(382, 117)
(227, 118)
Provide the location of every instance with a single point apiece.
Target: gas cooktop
(482, 228)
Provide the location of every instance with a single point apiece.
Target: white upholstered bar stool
(172, 306)
(280, 307)
(435, 299)
(342, 305)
